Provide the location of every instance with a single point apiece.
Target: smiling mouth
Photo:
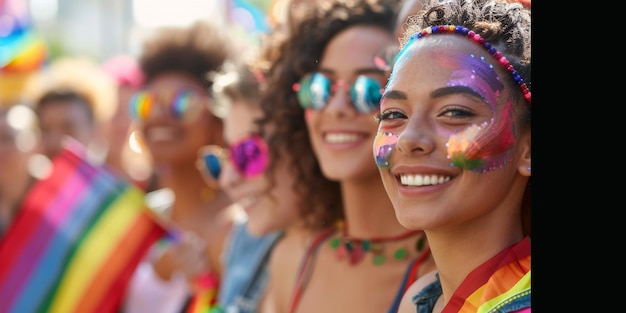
(423, 180)
(341, 137)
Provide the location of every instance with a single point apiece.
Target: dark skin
(60, 118)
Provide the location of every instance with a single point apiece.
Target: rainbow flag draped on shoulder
(501, 282)
(76, 240)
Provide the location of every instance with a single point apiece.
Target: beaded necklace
(356, 248)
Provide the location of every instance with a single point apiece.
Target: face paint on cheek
(486, 147)
(384, 144)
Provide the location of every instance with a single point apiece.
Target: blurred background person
(172, 111)
(72, 97)
(17, 142)
(125, 152)
(261, 177)
(22, 54)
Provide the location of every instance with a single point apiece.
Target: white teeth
(423, 180)
(161, 134)
(341, 138)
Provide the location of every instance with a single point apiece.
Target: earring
(528, 168)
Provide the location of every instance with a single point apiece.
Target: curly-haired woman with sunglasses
(172, 113)
(324, 85)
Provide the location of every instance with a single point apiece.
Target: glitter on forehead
(479, 75)
(476, 38)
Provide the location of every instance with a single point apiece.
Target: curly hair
(236, 81)
(196, 51)
(291, 51)
(505, 24)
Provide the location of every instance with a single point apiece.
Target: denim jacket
(246, 273)
(425, 300)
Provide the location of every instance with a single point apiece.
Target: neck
(191, 194)
(368, 210)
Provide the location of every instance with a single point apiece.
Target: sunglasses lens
(182, 104)
(314, 91)
(250, 156)
(212, 165)
(366, 94)
(140, 105)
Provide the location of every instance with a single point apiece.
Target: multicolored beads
(455, 29)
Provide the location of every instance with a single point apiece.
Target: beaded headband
(453, 29)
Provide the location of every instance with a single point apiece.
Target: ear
(525, 155)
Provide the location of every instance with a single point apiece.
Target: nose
(159, 109)
(416, 138)
(340, 103)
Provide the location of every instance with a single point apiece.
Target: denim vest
(246, 274)
(425, 300)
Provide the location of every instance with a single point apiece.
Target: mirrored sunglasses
(315, 89)
(181, 104)
(249, 156)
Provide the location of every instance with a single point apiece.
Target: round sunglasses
(315, 89)
(181, 104)
(249, 156)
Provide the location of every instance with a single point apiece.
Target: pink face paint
(487, 146)
(384, 143)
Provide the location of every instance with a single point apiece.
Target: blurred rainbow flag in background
(76, 240)
(21, 49)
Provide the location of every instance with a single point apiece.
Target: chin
(258, 230)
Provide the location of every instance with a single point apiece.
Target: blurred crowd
(260, 165)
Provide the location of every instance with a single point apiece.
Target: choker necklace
(356, 248)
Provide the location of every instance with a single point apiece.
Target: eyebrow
(393, 94)
(439, 93)
(361, 71)
(453, 90)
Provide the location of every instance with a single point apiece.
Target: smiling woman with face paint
(453, 149)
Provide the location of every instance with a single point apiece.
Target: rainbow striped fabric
(23, 50)
(204, 299)
(501, 280)
(76, 241)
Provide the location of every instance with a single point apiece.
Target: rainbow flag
(22, 49)
(204, 299)
(502, 279)
(76, 241)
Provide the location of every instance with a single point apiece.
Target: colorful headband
(452, 29)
